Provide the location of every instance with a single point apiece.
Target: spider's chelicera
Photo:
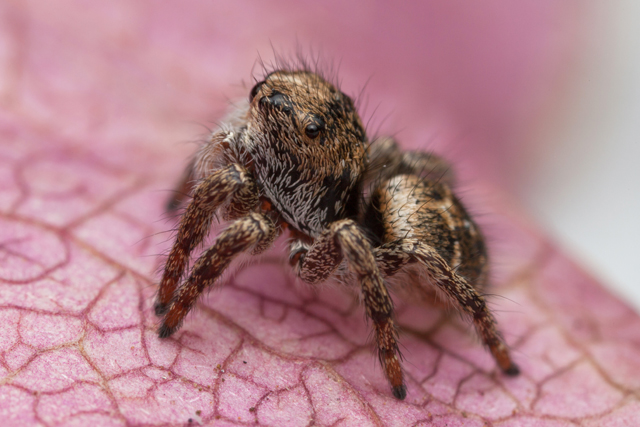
(296, 158)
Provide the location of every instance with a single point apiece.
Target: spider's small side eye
(255, 90)
(313, 129)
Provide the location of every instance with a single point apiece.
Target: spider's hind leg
(420, 221)
(392, 257)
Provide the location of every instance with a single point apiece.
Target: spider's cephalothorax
(296, 158)
(308, 148)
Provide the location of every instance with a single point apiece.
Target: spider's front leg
(391, 257)
(232, 183)
(343, 239)
(255, 231)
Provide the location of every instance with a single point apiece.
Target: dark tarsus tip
(165, 332)
(512, 370)
(400, 392)
(160, 309)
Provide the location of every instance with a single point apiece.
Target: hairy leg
(343, 239)
(220, 186)
(391, 257)
(255, 231)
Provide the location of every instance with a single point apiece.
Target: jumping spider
(296, 158)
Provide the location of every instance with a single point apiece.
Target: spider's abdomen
(411, 207)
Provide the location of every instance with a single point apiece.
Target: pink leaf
(93, 101)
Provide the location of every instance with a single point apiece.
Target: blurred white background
(583, 184)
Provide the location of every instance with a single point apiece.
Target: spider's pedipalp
(221, 185)
(255, 231)
(344, 239)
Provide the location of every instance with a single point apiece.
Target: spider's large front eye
(313, 129)
(255, 90)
